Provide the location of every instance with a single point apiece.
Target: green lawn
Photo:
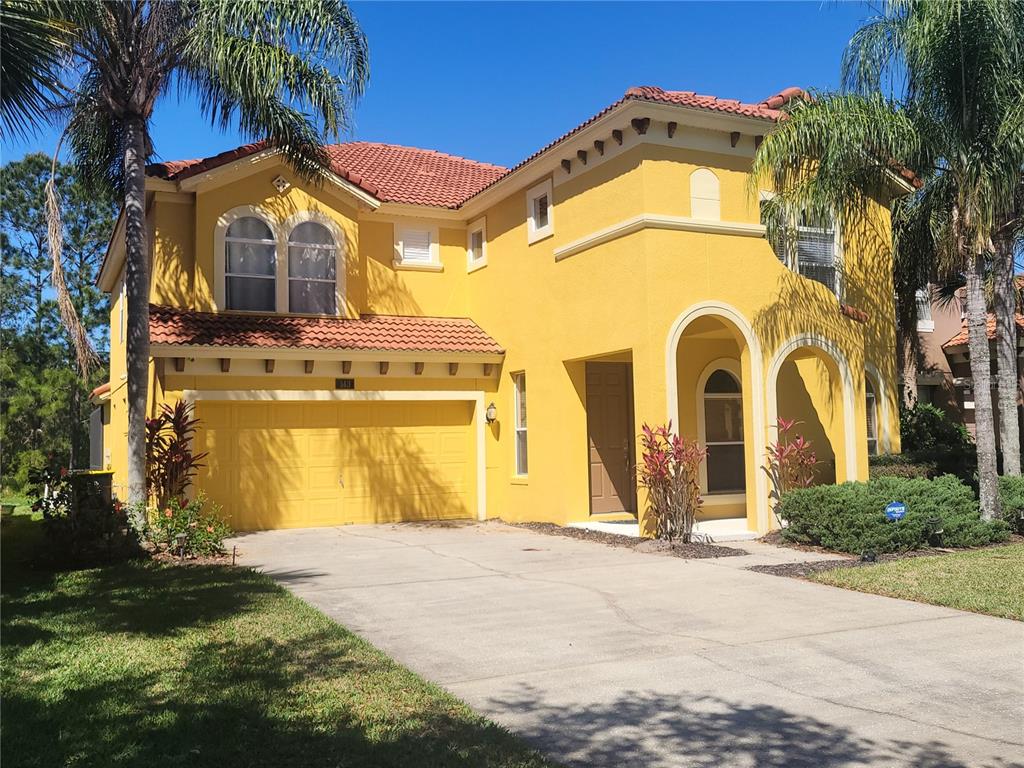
(987, 580)
(148, 665)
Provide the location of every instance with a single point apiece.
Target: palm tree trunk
(981, 375)
(1005, 306)
(137, 294)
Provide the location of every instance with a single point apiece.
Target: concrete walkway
(609, 657)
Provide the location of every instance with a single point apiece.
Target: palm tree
(33, 39)
(1008, 243)
(936, 86)
(285, 70)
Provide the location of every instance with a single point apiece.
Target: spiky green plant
(936, 86)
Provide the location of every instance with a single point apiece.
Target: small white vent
(281, 183)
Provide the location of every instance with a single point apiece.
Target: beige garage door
(302, 464)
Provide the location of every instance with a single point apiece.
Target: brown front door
(610, 435)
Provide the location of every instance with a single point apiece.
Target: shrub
(1011, 500)
(928, 436)
(670, 471)
(851, 517)
(899, 465)
(170, 462)
(791, 462)
(81, 524)
(204, 530)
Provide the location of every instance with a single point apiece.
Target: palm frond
(34, 42)
(286, 71)
(97, 142)
(814, 175)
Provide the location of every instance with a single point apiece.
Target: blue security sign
(896, 510)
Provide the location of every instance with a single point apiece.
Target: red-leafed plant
(670, 471)
(791, 462)
(170, 462)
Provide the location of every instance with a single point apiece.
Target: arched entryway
(809, 381)
(715, 396)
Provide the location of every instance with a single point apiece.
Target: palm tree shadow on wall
(802, 306)
(645, 728)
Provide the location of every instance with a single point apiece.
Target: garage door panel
(286, 415)
(276, 465)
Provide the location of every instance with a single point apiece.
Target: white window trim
(871, 401)
(281, 231)
(837, 253)
(292, 222)
(791, 260)
(534, 233)
(226, 219)
(731, 366)
(434, 265)
(516, 429)
(479, 225)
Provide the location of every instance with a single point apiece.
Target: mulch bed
(843, 560)
(168, 558)
(694, 550)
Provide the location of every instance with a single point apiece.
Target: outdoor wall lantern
(491, 414)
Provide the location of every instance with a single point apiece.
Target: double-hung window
(519, 383)
(312, 270)
(250, 265)
(723, 433)
(871, 409)
(812, 252)
(816, 251)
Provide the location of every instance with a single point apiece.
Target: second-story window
(250, 265)
(312, 270)
(816, 251)
(539, 212)
(476, 245)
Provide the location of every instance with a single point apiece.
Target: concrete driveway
(609, 657)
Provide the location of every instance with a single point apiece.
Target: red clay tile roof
(386, 333)
(990, 329)
(397, 174)
(389, 172)
(102, 389)
(768, 109)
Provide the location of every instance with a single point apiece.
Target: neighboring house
(424, 336)
(942, 376)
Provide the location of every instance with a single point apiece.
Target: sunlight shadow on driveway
(650, 729)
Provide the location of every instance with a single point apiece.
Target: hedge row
(1011, 498)
(900, 465)
(851, 517)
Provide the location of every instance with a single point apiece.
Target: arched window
(704, 195)
(312, 270)
(871, 409)
(250, 265)
(723, 433)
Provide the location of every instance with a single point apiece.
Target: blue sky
(496, 81)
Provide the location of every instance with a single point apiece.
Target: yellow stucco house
(423, 336)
